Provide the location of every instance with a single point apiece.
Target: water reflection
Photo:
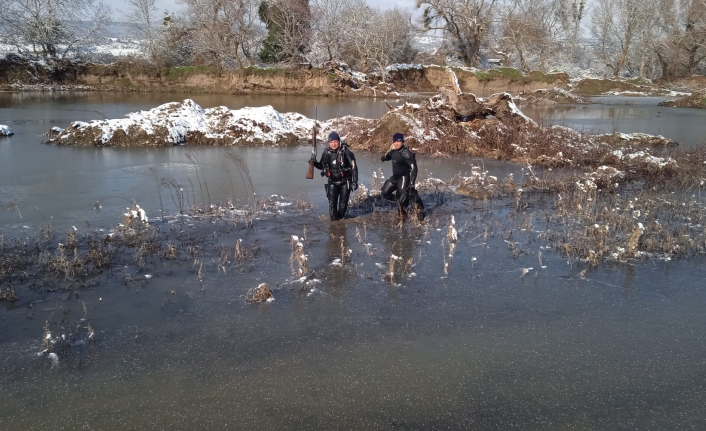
(86, 106)
(687, 126)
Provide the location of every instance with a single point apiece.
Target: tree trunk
(619, 65)
(523, 61)
(237, 57)
(643, 57)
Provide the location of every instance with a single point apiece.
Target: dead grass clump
(47, 341)
(478, 184)
(239, 255)
(390, 274)
(14, 264)
(59, 263)
(302, 206)
(7, 294)
(99, 258)
(71, 240)
(451, 233)
(171, 252)
(261, 293)
(298, 259)
(135, 218)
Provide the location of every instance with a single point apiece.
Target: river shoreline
(331, 80)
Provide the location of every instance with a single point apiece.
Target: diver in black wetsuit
(338, 164)
(404, 174)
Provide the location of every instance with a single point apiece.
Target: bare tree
(52, 28)
(529, 28)
(221, 30)
(4, 9)
(570, 13)
(465, 21)
(616, 24)
(682, 46)
(173, 41)
(326, 18)
(142, 14)
(377, 38)
(647, 32)
(289, 30)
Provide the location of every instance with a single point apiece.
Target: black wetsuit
(342, 172)
(404, 174)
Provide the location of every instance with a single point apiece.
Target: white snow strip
(5, 131)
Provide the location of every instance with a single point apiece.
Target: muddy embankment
(332, 79)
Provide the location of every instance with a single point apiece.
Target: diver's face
(398, 144)
(334, 144)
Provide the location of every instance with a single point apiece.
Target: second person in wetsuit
(404, 173)
(337, 163)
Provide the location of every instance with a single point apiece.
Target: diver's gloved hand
(383, 158)
(355, 186)
(323, 173)
(312, 159)
(412, 188)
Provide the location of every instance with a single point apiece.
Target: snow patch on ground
(642, 156)
(403, 66)
(175, 120)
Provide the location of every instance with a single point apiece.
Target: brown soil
(332, 79)
(695, 82)
(552, 96)
(593, 87)
(697, 100)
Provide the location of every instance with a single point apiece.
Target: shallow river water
(475, 336)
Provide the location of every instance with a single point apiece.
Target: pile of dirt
(624, 87)
(595, 87)
(187, 123)
(451, 123)
(446, 124)
(696, 100)
(552, 96)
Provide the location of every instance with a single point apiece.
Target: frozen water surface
(482, 345)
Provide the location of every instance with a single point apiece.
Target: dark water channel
(464, 339)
